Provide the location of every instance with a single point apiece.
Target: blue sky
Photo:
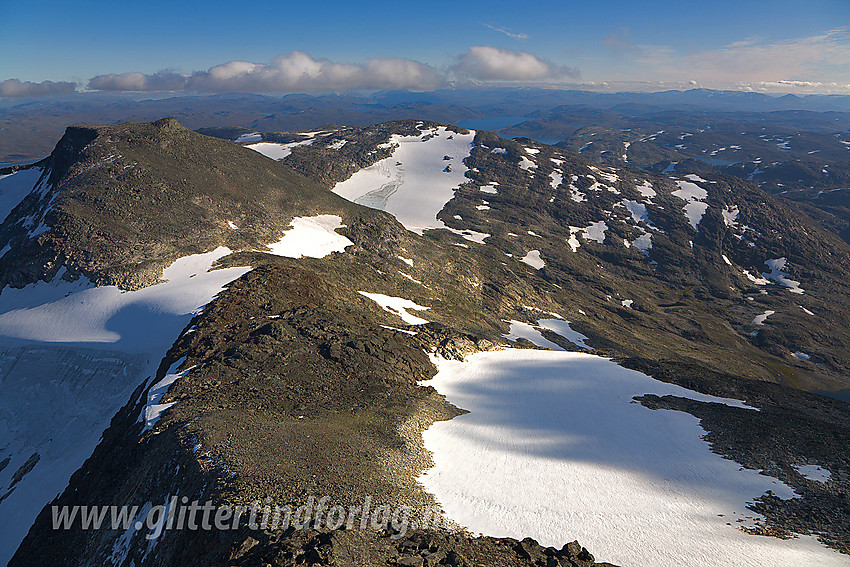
(760, 45)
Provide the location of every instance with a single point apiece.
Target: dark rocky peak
(121, 202)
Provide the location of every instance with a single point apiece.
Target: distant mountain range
(30, 128)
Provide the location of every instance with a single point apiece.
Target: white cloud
(810, 58)
(619, 40)
(493, 64)
(821, 61)
(16, 88)
(162, 81)
(298, 71)
(800, 87)
(294, 71)
(508, 33)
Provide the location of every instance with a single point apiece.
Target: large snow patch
(71, 354)
(415, 182)
(14, 187)
(555, 448)
(315, 237)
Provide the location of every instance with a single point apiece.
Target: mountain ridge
(319, 356)
(101, 214)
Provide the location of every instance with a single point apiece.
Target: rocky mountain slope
(307, 376)
(684, 260)
(799, 157)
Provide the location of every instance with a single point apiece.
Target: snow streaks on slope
(398, 306)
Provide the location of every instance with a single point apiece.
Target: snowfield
(533, 259)
(525, 164)
(637, 210)
(646, 189)
(555, 448)
(562, 327)
(730, 215)
(278, 151)
(397, 306)
(815, 473)
(471, 235)
(595, 232)
(778, 276)
(14, 187)
(760, 319)
(153, 409)
(55, 401)
(63, 312)
(693, 195)
(251, 137)
(71, 356)
(532, 333)
(315, 237)
(643, 243)
(413, 184)
(520, 330)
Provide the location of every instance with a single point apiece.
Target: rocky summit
(255, 324)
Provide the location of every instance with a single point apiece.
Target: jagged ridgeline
(307, 376)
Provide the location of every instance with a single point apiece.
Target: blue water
(550, 141)
(491, 122)
(843, 395)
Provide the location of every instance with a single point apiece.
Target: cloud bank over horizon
(293, 71)
(16, 88)
(816, 64)
(298, 71)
